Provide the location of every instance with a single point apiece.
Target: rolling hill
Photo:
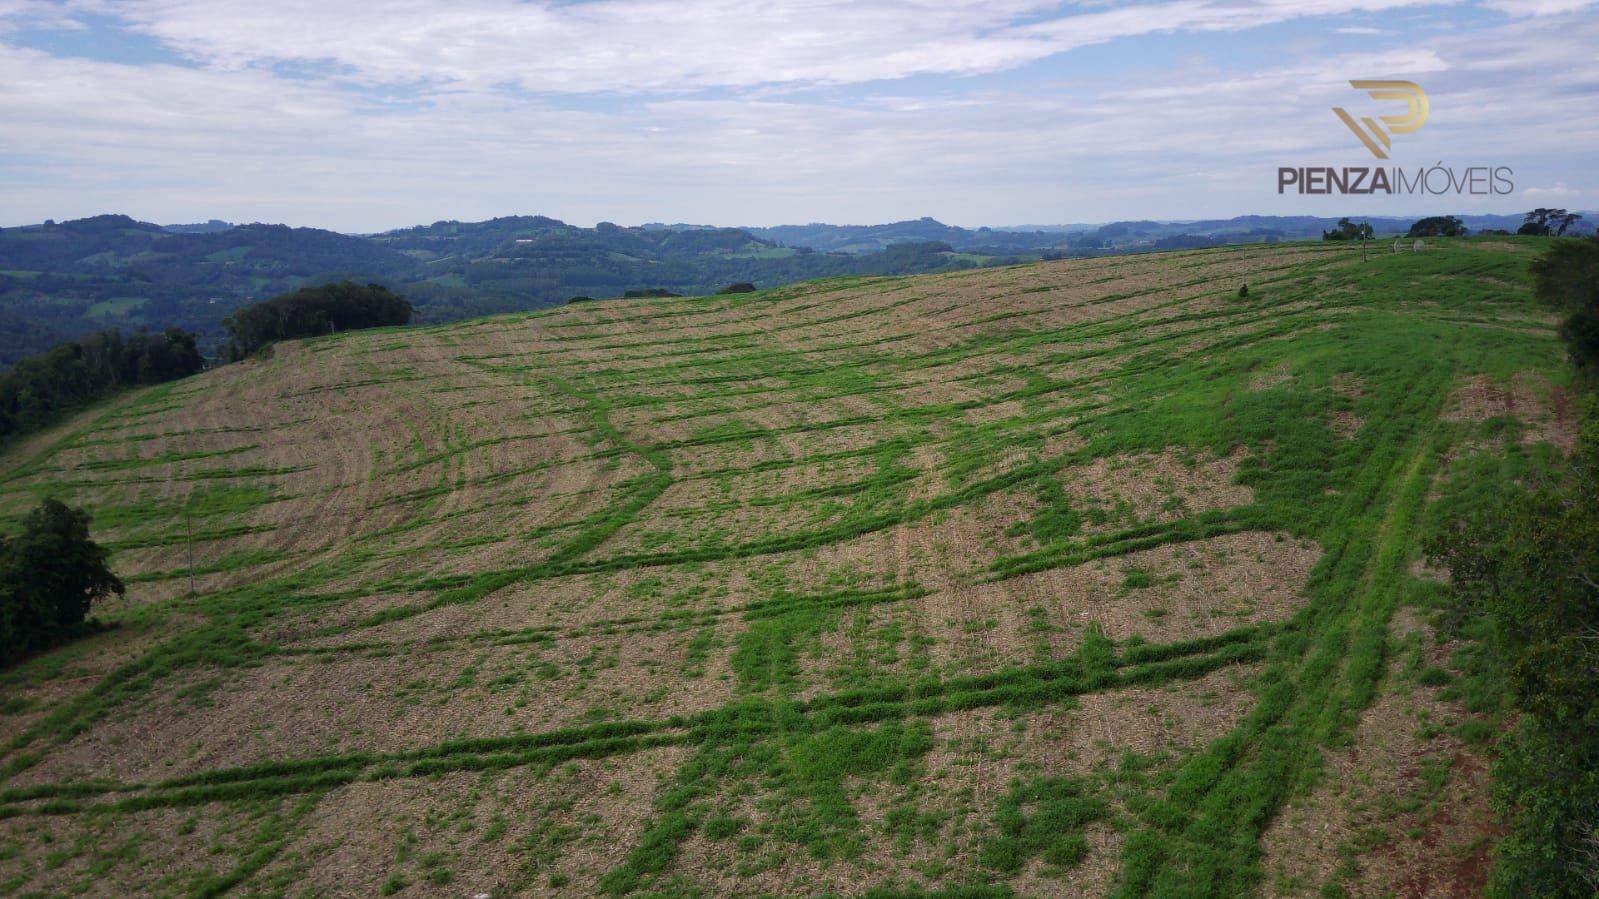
(521, 262)
(61, 281)
(1075, 577)
(1083, 239)
(64, 280)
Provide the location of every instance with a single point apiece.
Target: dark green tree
(1438, 226)
(1348, 230)
(1528, 568)
(310, 311)
(1546, 222)
(38, 388)
(1524, 562)
(50, 576)
(1567, 278)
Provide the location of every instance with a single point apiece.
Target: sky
(364, 116)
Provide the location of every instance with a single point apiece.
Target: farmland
(1083, 577)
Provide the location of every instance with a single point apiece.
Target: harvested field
(1404, 808)
(1076, 578)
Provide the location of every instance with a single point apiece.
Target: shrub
(739, 287)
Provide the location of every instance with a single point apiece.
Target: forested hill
(470, 268)
(870, 238)
(1084, 239)
(60, 281)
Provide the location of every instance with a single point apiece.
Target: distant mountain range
(1112, 236)
(209, 227)
(59, 281)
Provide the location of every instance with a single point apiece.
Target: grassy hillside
(1077, 577)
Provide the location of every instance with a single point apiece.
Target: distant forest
(309, 311)
(63, 281)
(38, 388)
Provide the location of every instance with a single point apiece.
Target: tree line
(1524, 563)
(34, 391)
(1541, 222)
(38, 389)
(309, 311)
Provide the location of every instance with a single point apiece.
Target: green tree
(1438, 226)
(50, 576)
(1529, 568)
(1348, 230)
(1524, 562)
(1567, 278)
(344, 306)
(39, 387)
(1545, 222)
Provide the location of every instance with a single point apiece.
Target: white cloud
(232, 138)
(15, 14)
(1538, 7)
(1558, 190)
(1068, 32)
(673, 45)
(609, 45)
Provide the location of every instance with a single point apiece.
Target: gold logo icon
(1370, 133)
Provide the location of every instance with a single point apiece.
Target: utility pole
(188, 529)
